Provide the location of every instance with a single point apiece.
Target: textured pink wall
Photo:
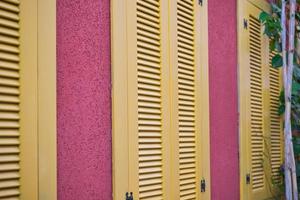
(84, 104)
(223, 99)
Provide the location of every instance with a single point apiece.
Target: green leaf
(277, 61)
(295, 88)
(263, 16)
(281, 109)
(281, 96)
(272, 45)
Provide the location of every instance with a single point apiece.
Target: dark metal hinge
(200, 2)
(203, 185)
(129, 196)
(248, 178)
(245, 24)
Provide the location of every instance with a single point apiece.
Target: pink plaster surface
(84, 103)
(222, 28)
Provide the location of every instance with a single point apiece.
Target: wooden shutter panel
(9, 100)
(256, 105)
(260, 125)
(146, 124)
(157, 101)
(186, 100)
(276, 124)
(21, 105)
(149, 100)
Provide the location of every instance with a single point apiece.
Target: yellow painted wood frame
(38, 99)
(245, 9)
(124, 95)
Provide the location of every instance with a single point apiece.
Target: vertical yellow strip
(28, 99)
(243, 61)
(132, 98)
(174, 136)
(266, 115)
(165, 93)
(119, 99)
(202, 93)
(47, 99)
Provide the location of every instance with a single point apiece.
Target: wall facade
(84, 100)
(83, 97)
(224, 146)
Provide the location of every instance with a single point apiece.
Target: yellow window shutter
(160, 133)
(9, 101)
(276, 123)
(147, 107)
(149, 101)
(188, 97)
(19, 150)
(260, 125)
(257, 144)
(186, 102)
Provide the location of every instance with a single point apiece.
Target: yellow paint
(160, 99)
(47, 100)
(28, 100)
(260, 127)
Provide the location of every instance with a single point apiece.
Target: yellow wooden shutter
(257, 135)
(149, 98)
(276, 124)
(9, 101)
(147, 107)
(186, 96)
(19, 125)
(188, 170)
(260, 125)
(158, 125)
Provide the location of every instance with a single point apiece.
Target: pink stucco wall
(223, 99)
(84, 103)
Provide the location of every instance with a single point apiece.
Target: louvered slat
(275, 122)
(256, 105)
(9, 100)
(149, 100)
(186, 99)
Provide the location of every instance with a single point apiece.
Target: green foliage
(272, 28)
(277, 61)
(272, 25)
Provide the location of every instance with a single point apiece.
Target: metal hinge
(248, 178)
(200, 2)
(245, 24)
(203, 185)
(129, 196)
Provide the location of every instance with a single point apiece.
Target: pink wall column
(84, 103)
(222, 28)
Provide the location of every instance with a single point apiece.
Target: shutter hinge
(247, 179)
(245, 24)
(203, 185)
(200, 2)
(129, 196)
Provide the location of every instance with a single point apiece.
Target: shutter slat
(9, 100)
(275, 123)
(256, 102)
(186, 100)
(149, 101)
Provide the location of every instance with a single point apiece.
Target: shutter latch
(247, 178)
(129, 196)
(200, 2)
(203, 185)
